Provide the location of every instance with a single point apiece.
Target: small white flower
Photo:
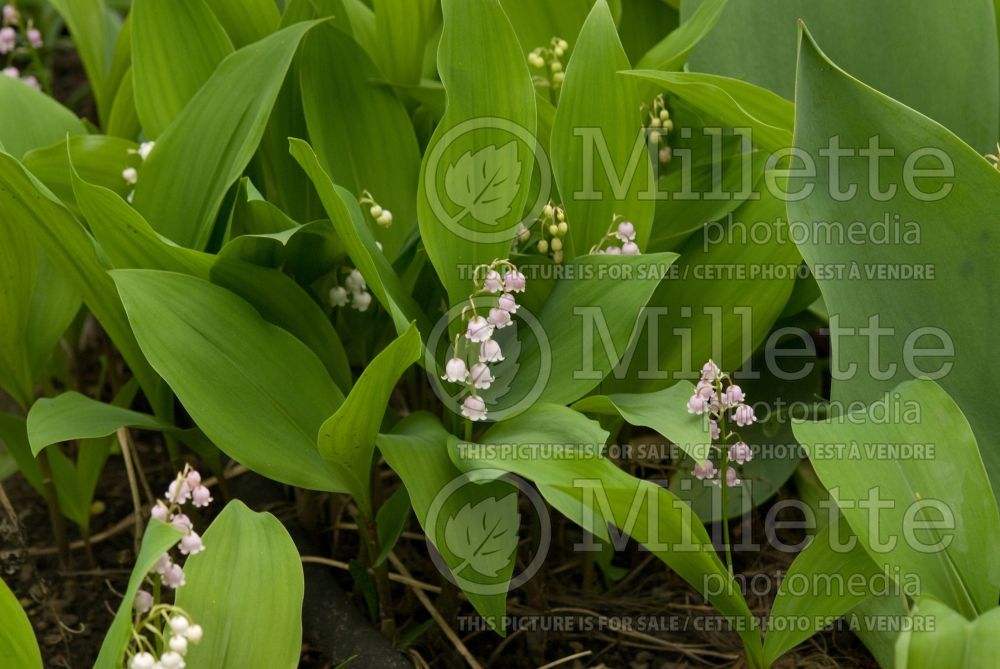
(355, 282)
(172, 660)
(130, 175)
(34, 38)
(193, 633)
(481, 376)
(375, 211)
(361, 300)
(162, 565)
(478, 329)
(142, 660)
(455, 371)
(145, 148)
(385, 218)
(201, 496)
(493, 283)
(11, 72)
(499, 318)
(507, 303)
(179, 644)
(474, 408)
(178, 492)
(489, 351)
(179, 624)
(143, 602)
(338, 296)
(514, 281)
(630, 249)
(191, 544)
(173, 577)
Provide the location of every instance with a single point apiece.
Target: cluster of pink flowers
(623, 231)
(720, 399)
(10, 31)
(171, 627)
(478, 338)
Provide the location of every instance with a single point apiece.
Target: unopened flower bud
(143, 602)
(385, 218)
(543, 246)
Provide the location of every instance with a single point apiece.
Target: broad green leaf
(672, 51)
(732, 310)
(127, 240)
(75, 416)
(484, 535)
(161, 29)
(123, 120)
(491, 103)
(17, 638)
(664, 411)
(246, 21)
(391, 521)
(158, 538)
(536, 23)
(933, 531)
(838, 574)
(284, 303)
(939, 226)
(643, 24)
(348, 221)
(94, 28)
(360, 130)
(402, 28)
(347, 438)
(950, 71)
(600, 160)
(184, 181)
(585, 331)
(256, 391)
(733, 102)
(595, 494)
(944, 638)
(37, 304)
(246, 592)
(100, 159)
(417, 450)
(30, 119)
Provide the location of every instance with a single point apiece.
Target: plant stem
(468, 430)
(724, 484)
(381, 574)
(55, 513)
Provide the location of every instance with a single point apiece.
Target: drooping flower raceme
(500, 279)
(721, 401)
(171, 627)
(621, 230)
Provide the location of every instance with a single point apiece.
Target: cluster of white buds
(658, 126)
(549, 58)
(172, 632)
(354, 290)
(170, 627)
(381, 215)
(722, 401)
(131, 174)
(552, 230)
(477, 342)
(19, 39)
(621, 230)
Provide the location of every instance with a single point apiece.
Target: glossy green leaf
(733, 102)
(938, 528)
(37, 304)
(183, 182)
(939, 224)
(360, 130)
(417, 450)
(664, 411)
(672, 51)
(938, 58)
(158, 538)
(348, 221)
(402, 28)
(491, 104)
(599, 156)
(246, 592)
(256, 391)
(162, 29)
(944, 638)
(17, 638)
(94, 28)
(75, 416)
(839, 575)
(246, 21)
(391, 521)
(30, 119)
(585, 331)
(100, 159)
(123, 120)
(347, 438)
(536, 23)
(595, 494)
